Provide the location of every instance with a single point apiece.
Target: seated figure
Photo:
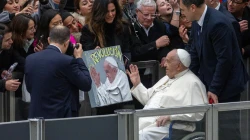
(180, 87)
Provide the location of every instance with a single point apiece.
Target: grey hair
(146, 3)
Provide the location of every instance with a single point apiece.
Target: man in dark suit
(53, 77)
(216, 5)
(216, 59)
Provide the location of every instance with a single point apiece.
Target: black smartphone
(39, 41)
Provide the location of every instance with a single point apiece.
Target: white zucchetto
(184, 57)
(111, 61)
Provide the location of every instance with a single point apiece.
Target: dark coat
(52, 78)
(216, 57)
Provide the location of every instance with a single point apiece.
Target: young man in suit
(216, 59)
(52, 77)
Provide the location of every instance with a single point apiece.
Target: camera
(71, 47)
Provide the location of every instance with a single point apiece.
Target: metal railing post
(209, 124)
(215, 122)
(37, 129)
(125, 124)
(1, 107)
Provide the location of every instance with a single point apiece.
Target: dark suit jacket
(216, 57)
(51, 78)
(234, 22)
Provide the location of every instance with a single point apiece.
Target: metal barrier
(15, 131)
(120, 126)
(89, 128)
(228, 107)
(171, 111)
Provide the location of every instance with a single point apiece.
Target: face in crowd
(30, 33)
(110, 71)
(123, 2)
(235, 6)
(12, 6)
(188, 12)
(71, 23)
(186, 23)
(57, 20)
(110, 16)
(164, 7)
(36, 4)
(7, 41)
(146, 15)
(84, 7)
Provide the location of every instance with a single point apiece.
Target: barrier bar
(170, 111)
(37, 129)
(125, 124)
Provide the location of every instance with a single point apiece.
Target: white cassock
(115, 92)
(184, 90)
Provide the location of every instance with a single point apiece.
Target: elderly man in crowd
(180, 87)
(116, 87)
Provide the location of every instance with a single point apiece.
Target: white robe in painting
(115, 92)
(185, 89)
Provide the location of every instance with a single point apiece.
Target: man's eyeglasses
(148, 15)
(235, 1)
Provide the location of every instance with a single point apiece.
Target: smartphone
(10, 70)
(40, 39)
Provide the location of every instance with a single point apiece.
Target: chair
(175, 134)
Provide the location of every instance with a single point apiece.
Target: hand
(134, 75)
(243, 50)
(39, 47)
(212, 96)
(78, 52)
(162, 41)
(183, 34)
(95, 76)
(162, 120)
(97, 47)
(27, 10)
(243, 25)
(6, 74)
(12, 85)
(163, 60)
(174, 4)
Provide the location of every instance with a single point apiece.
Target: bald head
(59, 34)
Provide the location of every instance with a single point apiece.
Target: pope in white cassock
(180, 87)
(116, 87)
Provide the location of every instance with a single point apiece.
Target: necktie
(199, 30)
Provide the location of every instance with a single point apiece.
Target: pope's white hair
(146, 3)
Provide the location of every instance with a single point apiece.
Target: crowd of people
(202, 44)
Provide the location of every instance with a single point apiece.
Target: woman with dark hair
(106, 28)
(10, 8)
(83, 8)
(49, 19)
(24, 28)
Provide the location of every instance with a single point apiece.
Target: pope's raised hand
(134, 75)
